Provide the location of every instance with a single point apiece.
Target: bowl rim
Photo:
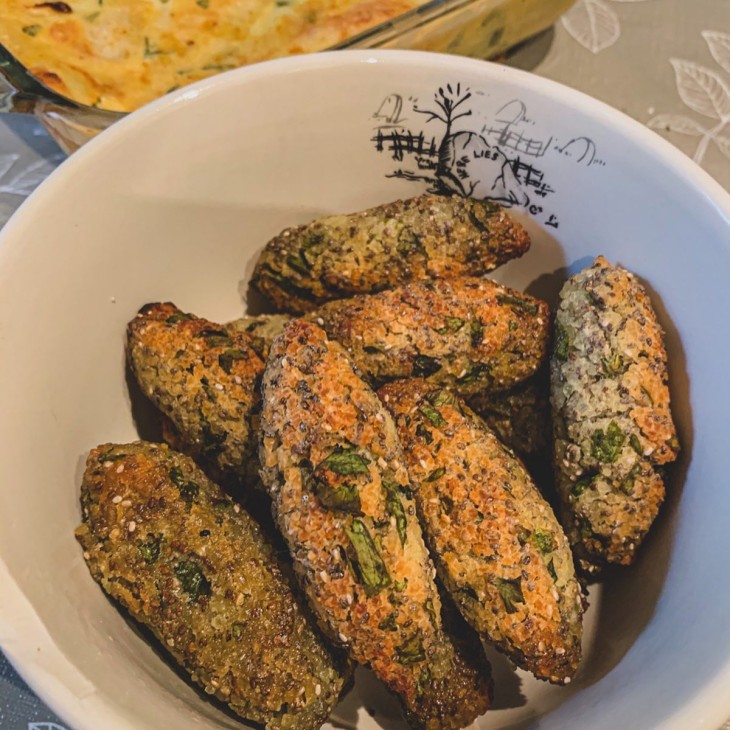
(91, 711)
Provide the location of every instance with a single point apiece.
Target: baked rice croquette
(187, 562)
(520, 415)
(204, 378)
(332, 463)
(468, 334)
(498, 547)
(613, 429)
(428, 236)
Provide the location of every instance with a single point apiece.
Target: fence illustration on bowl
(499, 162)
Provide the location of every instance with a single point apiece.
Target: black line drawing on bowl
(492, 159)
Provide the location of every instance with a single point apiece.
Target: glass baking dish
(477, 28)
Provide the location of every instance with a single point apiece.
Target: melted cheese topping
(120, 54)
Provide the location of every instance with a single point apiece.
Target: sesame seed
(318, 690)
(566, 680)
(120, 468)
(87, 555)
(107, 464)
(237, 379)
(462, 373)
(126, 503)
(132, 526)
(349, 599)
(560, 651)
(218, 386)
(116, 500)
(342, 638)
(170, 642)
(541, 646)
(239, 599)
(382, 463)
(423, 464)
(320, 321)
(236, 508)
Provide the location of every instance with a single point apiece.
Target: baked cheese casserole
(120, 54)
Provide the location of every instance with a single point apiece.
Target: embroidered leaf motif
(676, 123)
(701, 89)
(593, 24)
(719, 45)
(724, 144)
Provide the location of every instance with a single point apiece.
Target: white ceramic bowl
(173, 203)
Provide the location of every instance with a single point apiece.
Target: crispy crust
(498, 547)
(611, 418)
(204, 379)
(262, 328)
(519, 416)
(188, 563)
(334, 468)
(423, 237)
(468, 334)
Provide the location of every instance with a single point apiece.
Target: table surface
(664, 62)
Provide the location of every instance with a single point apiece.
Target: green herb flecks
(109, 456)
(298, 263)
(453, 324)
(562, 343)
(442, 397)
(582, 484)
(521, 304)
(345, 497)
(606, 446)
(369, 567)
(627, 485)
(151, 50)
(345, 461)
(424, 433)
(476, 332)
(474, 371)
(215, 337)
(432, 414)
(205, 4)
(394, 507)
(436, 474)
(188, 489)
(635, 444)
(423, 366)
(179, 317)
(543, 541)
(389, 623)
(613, 365)
(511, 592)
(428, 605)
(227, 358)
(192, 579)
(150, 550)
(31, 30)
(551, 569)
(411, 651)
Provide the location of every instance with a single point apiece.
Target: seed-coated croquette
(468, 334)
(187, 562)
(613, 429)
(423, 237)
(204, 378)
(498, 547)
(262, 328)
(520, 415)
(335, 470)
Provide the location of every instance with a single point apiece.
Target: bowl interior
(174, 202)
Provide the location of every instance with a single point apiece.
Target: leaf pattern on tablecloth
(45, 726)
(594, 24)
(25, 180)
(719, 44)
(704, 91)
